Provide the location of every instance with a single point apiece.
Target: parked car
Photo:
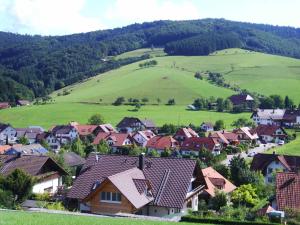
(281, 142)
(251, 154)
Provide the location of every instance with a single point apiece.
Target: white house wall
(40, 187)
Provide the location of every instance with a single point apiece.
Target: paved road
(261, 148)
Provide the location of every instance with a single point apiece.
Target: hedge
(196, 219)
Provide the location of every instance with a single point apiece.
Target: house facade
(65, 133)
(7, 134)
(246, 134)
(133, 124)
(111, 184)
(47, 172)
(270, 133)
(268, 116)
(162, 143)
(185, 133)
(270, 164)
(193, 146)
(207, 127)
(142, 137)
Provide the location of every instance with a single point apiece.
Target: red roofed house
(214, 181)
(287, 191)
(184, 133)
(116, 141)
(195, 144)
(161, 143)
(4, 105)
(142, 137)
(246, 134)
(152, 186)
(47, 172)
(225, 138)
(269, 164)
(270, 133)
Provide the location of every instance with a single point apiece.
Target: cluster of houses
(153, 186)
(6, 105)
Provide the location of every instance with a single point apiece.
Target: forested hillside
(34, 66)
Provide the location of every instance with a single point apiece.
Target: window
(270, 170)
(112, 197)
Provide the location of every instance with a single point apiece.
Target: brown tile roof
(291, 115)
(248, 132)
(240, 99)
(31, 164)
(288, 190)
(213, 180)
(131, 122)
(197, 143)
(61, 129)
(72, 159)
(267, 130)
(261, 161)
(169, 177)
(162, 142)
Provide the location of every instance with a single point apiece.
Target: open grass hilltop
(172, 77)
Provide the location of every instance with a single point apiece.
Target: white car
(251, 154)
(281, 142)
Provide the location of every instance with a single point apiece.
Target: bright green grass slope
(26, 218)
(62, 113)
(143, 51)
(262, 73)
(291, 148)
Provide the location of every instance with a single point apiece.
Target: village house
(29, 133)
(65, 133)
(225, 138)
(246, 134)
(287, 191)
(117, 141)
(105, 128)
(132, 124)
(270, 133)
(22, 103)
(112, 184)
(142, 137)
(269, 164)
(74, 161)
(31, 149)
(193, 145)
(162, 143)
(213, 182)
(51, 140)
(243, 100)
(7, 134)
(4, 105)
(47, 172)
(291, 118)
(207, 127)
(268, 116)
(185, 133)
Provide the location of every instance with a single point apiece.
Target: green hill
(173, 77)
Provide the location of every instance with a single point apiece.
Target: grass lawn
(139, 52)
(25, 218)
(62, 113)
(291, 148)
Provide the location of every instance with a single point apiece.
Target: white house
(142, 137)
(268, 116)
(65, 133)
(270, 133)
(7, 134)
(51, 140)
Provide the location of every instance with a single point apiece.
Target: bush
(119, 101)
(55, 206)
(171, 101)
(196, 219)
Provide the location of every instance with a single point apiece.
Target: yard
(62, 113)
(26, 218)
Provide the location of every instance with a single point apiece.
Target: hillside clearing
(143, 51)
(62, 113)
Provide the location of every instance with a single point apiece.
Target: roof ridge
(162, 186)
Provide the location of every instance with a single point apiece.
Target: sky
(60, 17)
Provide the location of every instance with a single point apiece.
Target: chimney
(141, 161)
(97, 157)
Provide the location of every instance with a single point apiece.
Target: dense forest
(34, 66)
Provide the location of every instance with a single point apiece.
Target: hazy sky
(57, 17)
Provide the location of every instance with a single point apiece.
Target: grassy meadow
(26, 218)
(62, 113)
(143, 51)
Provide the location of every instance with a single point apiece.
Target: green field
(62, 113)
(291, 148)
(173, 77)
(143, 51)
(25, 218)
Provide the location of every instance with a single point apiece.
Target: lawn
(291, 148)
(26, 218)
(143, 51)
(62, 113)
(173, 77)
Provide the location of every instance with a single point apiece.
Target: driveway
(261, 148)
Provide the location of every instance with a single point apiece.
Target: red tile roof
(117, 138)
(169, 177)
(162, 142)
(4, 105)
(288, 190)
(85, 130)
(269, 130)
(186, 132)
(197, 143)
